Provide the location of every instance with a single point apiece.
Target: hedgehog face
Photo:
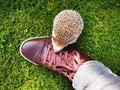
(57, 44)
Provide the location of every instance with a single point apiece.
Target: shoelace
(63, 62)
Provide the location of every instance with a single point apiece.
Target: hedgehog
(67, 27)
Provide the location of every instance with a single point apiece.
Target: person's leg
(93, 75)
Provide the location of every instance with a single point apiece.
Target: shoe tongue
(44, 53)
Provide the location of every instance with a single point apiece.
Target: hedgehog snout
(56, 47)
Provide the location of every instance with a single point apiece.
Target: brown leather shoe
(40, 52)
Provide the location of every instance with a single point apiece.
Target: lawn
(23, 19)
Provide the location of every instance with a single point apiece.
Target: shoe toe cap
(31, 48)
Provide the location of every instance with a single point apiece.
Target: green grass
(23, 19)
